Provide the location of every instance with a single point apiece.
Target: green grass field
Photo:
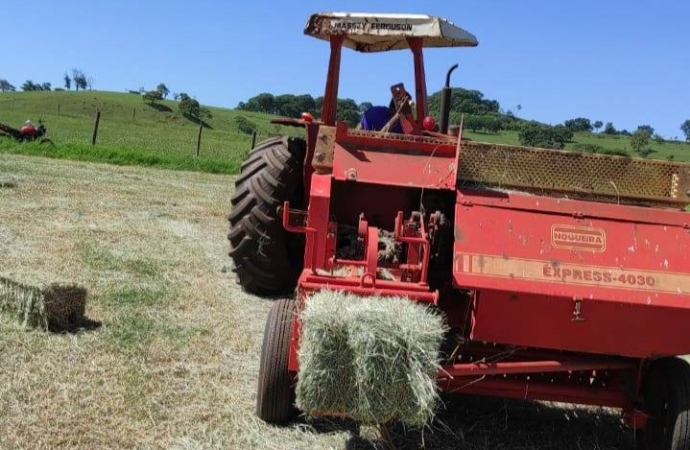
(134, 133)
(130, 131)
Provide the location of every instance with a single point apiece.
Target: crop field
(175, 359)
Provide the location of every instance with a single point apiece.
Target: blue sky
(622, 61)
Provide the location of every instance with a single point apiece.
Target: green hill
(133, 132)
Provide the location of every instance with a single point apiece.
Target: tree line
(478, 114)
(289, 105)
(76, 78)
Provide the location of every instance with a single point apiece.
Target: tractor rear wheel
(276, 395)
(666, 394)
(267, 259)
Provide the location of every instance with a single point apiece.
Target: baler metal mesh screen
(588, 176)
(595, 177)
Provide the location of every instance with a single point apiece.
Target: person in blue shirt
(376, 117)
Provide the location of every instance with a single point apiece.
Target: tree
(289, 105)
(348, 111)
(80, 81)
(29, 85)
(648, 128)
(6, 86)
(191, 109)
(535, 134)
(473, 123)
(465, 101)
(639, 142)
(561, 135)
(489, 123)
(610, 129)
(245, 125)
(264, 102)
(163, 89)
(598, 124)
(364, 106)
(685, 128)
(579, 124)
(151, 97)
(68, 82)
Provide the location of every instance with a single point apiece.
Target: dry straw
(372, 358)
(57, 305)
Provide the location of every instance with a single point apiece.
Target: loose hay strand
(374, 359)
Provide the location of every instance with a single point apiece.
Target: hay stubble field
(174, 363)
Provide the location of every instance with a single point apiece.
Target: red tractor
(563, 276)
(28, 132)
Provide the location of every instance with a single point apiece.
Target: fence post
(95, 127)
(134, 113)
(198, 138)
(12, 105)
(253, 139)
(58, 109)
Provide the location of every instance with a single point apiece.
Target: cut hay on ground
(374, 359)
(57, 305)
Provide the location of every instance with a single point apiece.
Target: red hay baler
(564, 276)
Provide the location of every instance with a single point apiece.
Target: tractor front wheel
(666, 394)
(267, 259)
(276, 395)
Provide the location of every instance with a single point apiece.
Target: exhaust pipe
(446, 94)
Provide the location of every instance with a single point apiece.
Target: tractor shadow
(482, 423)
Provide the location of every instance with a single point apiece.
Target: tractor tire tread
(271, 175)
(676, 374)
(275, 399)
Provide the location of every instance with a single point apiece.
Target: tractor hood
(366, 32)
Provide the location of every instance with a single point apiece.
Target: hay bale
(23, 304)
(57, 305)
(374, 359)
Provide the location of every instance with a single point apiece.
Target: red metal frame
(533, 390)
(416, 45)
(480, 375)
(501, 368)
(330, 98)
(568, 322)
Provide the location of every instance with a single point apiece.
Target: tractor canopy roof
(367, 32)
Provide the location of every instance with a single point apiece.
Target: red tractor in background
(28, 131)
(563, 276)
